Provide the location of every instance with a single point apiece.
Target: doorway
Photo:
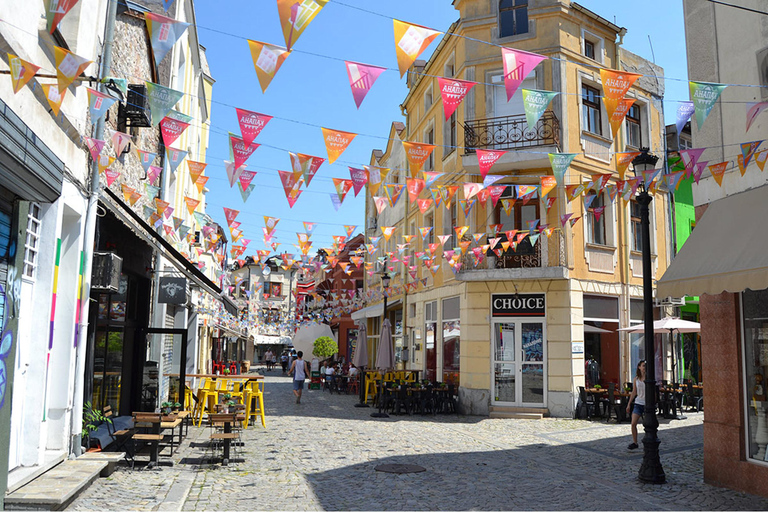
(519, 368)
(162, 380)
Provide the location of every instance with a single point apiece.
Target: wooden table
(227, 436)
(242, 376)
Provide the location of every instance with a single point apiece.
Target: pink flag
(152, 173)
(361, 79)
(517, 65)
(246, 177)
(381, 203)
(292, 198)
(288, 180)
(240, 151)
(359, 178)
(172, 129)
(230, 215)
(94, 146)
(120, 141)
(690, 157)
(453, 92)
(111, 176)
(486, 159)
(753, 110)
(251, 124)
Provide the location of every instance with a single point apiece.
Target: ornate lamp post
(650, 470)
(385, 280)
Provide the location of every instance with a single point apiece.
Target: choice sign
(518, 305)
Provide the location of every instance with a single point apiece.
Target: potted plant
(226, 371)
(598, 386)
(176, 407)
(92, 418)
(165, 408)
(324, 347)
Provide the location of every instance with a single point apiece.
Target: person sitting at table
(353, 370)
(638, 394)
(330, 371)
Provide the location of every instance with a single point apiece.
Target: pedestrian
(638, 394)
(299, 371)
(268, 359)
(284, 362)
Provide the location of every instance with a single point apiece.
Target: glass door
(518, 363)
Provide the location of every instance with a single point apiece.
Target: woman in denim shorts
(638, 394)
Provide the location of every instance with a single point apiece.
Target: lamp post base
(651, 471)
(361, 405)
(379, 415)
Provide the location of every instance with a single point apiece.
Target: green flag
(535, 103)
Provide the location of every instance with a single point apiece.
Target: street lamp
(385, 280)
(650, 470)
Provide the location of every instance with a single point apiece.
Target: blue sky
(311, 89)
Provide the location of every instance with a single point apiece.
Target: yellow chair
(207, 396)
(409, 377)
(254, 405)
(371, 383)
(237, 390)
(389, 377)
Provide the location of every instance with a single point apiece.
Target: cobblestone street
(321, 455)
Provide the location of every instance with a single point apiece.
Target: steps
(56, 488)
(521, 413)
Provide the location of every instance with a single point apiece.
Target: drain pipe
(86, 263)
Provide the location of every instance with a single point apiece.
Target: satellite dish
(266, 271)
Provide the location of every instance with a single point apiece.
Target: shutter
(6, 216)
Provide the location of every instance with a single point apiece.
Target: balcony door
(513, 107)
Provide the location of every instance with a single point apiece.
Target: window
(273, 289)
(449, 135)
(429, 221)
(590, 98)
(427, 100)
(755, 309)
(634, 217)
(430, 332)
(595, 227)
(429, 165)
(32, 245)
(451, 340)
(448, 70)
(634, 134)
(685, 143)
(589, 49)
(450, 221)
(513, 17)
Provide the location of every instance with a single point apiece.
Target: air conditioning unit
(670, 301)
(135, 113)
(106, 271)
(372, 224)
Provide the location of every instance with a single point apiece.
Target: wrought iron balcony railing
(511, 132)
(546, 252)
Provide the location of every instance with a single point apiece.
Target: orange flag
(51, 92)
(21, 72)
(195, 169)
(548, 183)
(267, 59)
(200, 183)
(417, 153)
(296, 15)
(127, 191)
(68, 66)
(410, 41)
(718, 170)
(617, 111)
(191, 204)
(616, 83)
(623, 160)
(336, 142)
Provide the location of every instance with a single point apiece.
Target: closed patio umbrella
(360, 359)
(385, 354)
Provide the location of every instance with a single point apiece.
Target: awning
(145, 231)
(373, 311)
(727, 251)
(266, 339)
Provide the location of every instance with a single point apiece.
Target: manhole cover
(400, 468)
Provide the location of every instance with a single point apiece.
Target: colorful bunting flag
(120, 141)
(517, 65)
(486, 158)
(417, 153)
(191, 204)
(196, 169)
(616, 83)
(145, 158)
(54, 97)
(55, 10)
(453, 92)
(68, 66)
(307, 165)
(560, 163)
(295, 16)
(94, 146)
(163, 33)
(414, 186)
(251, 124)
(753, 110)
(361, 79)
(201, 181)
(233, 173)
(704, 96)
(548, 183)
(336, 142)
(535, 103)
(171, 129)
(111, 176)
(623, 160)
(245, 179)
(174, 157)
(748, 150)
(410, 41)
(98, 103)
(718, 170)
(239, 151)
(161, 100)
(342, 187)
(617, 110)
(267, 59)
(685, 110)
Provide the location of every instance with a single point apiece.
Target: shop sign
(518, 305)
(577, 347)
(173, 290)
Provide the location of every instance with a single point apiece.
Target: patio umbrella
(385, 354)
(360, 357)
(305, 337)
(668, 324)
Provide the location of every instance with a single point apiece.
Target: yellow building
(516, 330)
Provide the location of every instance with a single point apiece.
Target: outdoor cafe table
(622, 396)
(242, 376)
(226, 420)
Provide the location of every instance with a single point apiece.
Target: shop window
(590, 110)
(602, 358)
(430, 334)
(755, 310)
(32, 245)
(451, 340)
(513, 17)
(595, 226)
(634, 128)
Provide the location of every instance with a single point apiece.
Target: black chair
(692, 401)
(586, 405)
(401, 401)
(426, 400)
(451, 405)
(609, 404)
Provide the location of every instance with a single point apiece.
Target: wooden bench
(171, 422)
(149, 423)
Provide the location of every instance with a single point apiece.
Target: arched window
(513, 17)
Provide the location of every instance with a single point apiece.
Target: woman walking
(638, 394)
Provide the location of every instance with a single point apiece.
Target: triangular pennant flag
(120, 141)
(760, 158)
(200, 183)
(191, 204)
(616, 83)
(55, 10)
(718, 170)
(740, 162)
(51, 92)
(394, 192)
(245, 179)
(161, 205)
(195, 169)
(453, 92)
(535, 103)
(104, 161)
(549, 202)
(491, 179)
(424, 205)
(748, 150)
(387, 232)
(342, 187)
(146, 158)
(699, 168)
(414, 186)
(267, 59)
(381, 203)
(230, 215)
(127, 191)
(171, 129)
(560, 163)
(495, 192)
(598, 212)
(361, 79)
(685, 110)
(410, 41)
(425, 231)
(98, 103)
(94, 146)
(239, 151)
(508, 205)
(548, 183)
(753, 110)
(161, 100)
(574, 191)
(307, 165)
(295, 16)
(417, 153)
(565, 218)
(517, 65)
(482, 197)
(251, 124)
(486, 159)
(649, 176)
(234, 173)
(359, 178)
(294, 196)
(588, 201)
(336, 142)
(350, 230)
(374, 178)
(68, 67)
(163, 33)
(623, 160)
(471, 190)
(174, 157)
(704, 96)
(599, 182)
(466, 206)
(431, 177)
(111, 176)
(617, 110)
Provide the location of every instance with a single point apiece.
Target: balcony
(544, 260)
(511, 132)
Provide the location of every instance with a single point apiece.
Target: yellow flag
(21, 71)
(417, 153)
(68, 66)
(410, 41)
(267, 59)
(336, 142)
(718, 170)
(53, 96)
(295, 15)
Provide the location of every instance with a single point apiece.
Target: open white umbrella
(305, 337)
